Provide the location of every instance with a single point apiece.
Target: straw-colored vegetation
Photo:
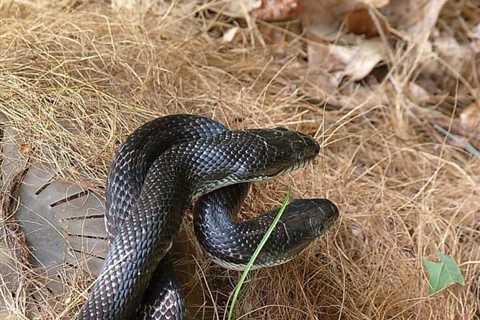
(77, 77)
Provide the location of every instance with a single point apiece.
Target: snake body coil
(156, 174)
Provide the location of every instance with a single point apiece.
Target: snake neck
(219, 213)
(134, 158)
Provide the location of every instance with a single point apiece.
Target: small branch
(459, 140)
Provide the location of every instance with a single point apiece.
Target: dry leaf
(132, 4)
(321, 85)
(6, 315)
(376, 3)
(464, 131)
(320, 60)
(269, 10)
(237, 8)
(352, 96)
(323, 19)
(125, 4)
(272, 10)
(415, 18)
(359, 22)
(475, 39)
(428, 18)
(418, 93)
(443, 60)
(470, 120)
(230, 34)
(8, 278)
(359, 60)
(452, 53)
(354, 62)
(349, 55)
(25, 148)
(475, 34)
(330, 61)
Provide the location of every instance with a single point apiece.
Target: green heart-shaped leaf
(442, 274)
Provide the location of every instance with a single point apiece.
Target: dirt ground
(77, 76)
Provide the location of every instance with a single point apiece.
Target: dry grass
(75, 80)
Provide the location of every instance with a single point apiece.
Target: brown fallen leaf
(333, 56)
(350, 97)
(125, 4)
(475, 33)
(237, 8)
(25, 148)
(360, 22)
(361, 59)
(454, 54)
(470, 120)
(443, 61)
(268, 10)
(6, 315)
(376, 3)
(345, 40)
(414, 18)
(272, 10)
(322, 20)
(354, 62)
(230, 34)
(463, 131)
(417, 93)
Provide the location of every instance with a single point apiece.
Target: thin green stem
(238, 287)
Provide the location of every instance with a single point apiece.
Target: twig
(461, 141)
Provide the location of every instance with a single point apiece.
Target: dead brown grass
(75, 80)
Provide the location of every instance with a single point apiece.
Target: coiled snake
(157, 172)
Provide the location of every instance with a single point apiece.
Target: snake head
(302, 222)
(242, 156)
(280, 150)
(310, 217)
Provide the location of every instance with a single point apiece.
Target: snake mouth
(299, 165)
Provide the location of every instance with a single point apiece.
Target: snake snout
(304, 147)
(284, 150)
(312, 216)
(310, 144)
(327, 211)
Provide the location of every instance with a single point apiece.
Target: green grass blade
(238, 287)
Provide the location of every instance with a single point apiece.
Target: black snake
(157, 172)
